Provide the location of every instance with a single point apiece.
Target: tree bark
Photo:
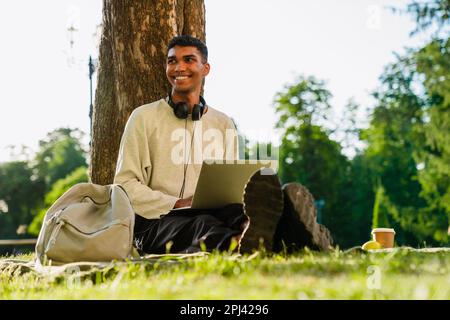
(131, 71)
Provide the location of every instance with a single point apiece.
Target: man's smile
(180, 78)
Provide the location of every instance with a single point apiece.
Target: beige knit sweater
(154, 148)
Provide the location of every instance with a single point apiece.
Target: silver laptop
(221, 183)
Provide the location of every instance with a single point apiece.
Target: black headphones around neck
(181, 109)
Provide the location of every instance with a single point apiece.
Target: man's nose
(180, 66)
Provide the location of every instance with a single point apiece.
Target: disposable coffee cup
(384, 236)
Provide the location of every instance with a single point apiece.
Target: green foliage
(379, 219)
(401, 179)
(59, 187)
(59, 154)
(25, 185)
(314, 160)
(408, 138)
(20, 193)
(298, 107)
(429, 14)
(433, 63)
(402, 176)
(358, 197)
(304, 102)
(393, 137)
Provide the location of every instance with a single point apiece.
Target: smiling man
(160, 158)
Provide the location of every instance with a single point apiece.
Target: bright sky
(256, 47)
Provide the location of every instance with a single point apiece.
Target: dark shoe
(298, 227)
(263, 205)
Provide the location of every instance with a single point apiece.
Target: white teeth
(181, 78)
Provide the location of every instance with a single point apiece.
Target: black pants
(214, 227)
(187, 229)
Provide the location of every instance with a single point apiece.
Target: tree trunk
(131, 72)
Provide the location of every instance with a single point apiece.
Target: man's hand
(181, 203)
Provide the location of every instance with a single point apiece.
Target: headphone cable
(186, 162)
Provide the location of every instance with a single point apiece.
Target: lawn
(400, 274)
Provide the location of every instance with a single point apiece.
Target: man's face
(185, 69)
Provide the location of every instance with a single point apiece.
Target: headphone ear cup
(197, 111)
(181, 110)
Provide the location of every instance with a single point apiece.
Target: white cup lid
(383, 230)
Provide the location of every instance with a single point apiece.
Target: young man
(159, 162)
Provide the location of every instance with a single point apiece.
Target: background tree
(132, 67)
(431, 15)
(20, 195)
(433, 64)
(28, 188)
(308, 155)
(359, 192)
(408, 150)
(60, 152)
(392, 139)
(408, 139)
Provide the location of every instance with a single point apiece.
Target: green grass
(404, 274)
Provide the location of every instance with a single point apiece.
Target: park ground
(353, 274)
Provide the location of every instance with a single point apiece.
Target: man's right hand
(181, 203)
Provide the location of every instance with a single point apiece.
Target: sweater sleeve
(133, 171)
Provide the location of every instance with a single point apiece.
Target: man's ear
(206, 68)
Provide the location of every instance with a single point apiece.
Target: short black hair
(189, 41)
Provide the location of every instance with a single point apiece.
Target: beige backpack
(89, 222)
